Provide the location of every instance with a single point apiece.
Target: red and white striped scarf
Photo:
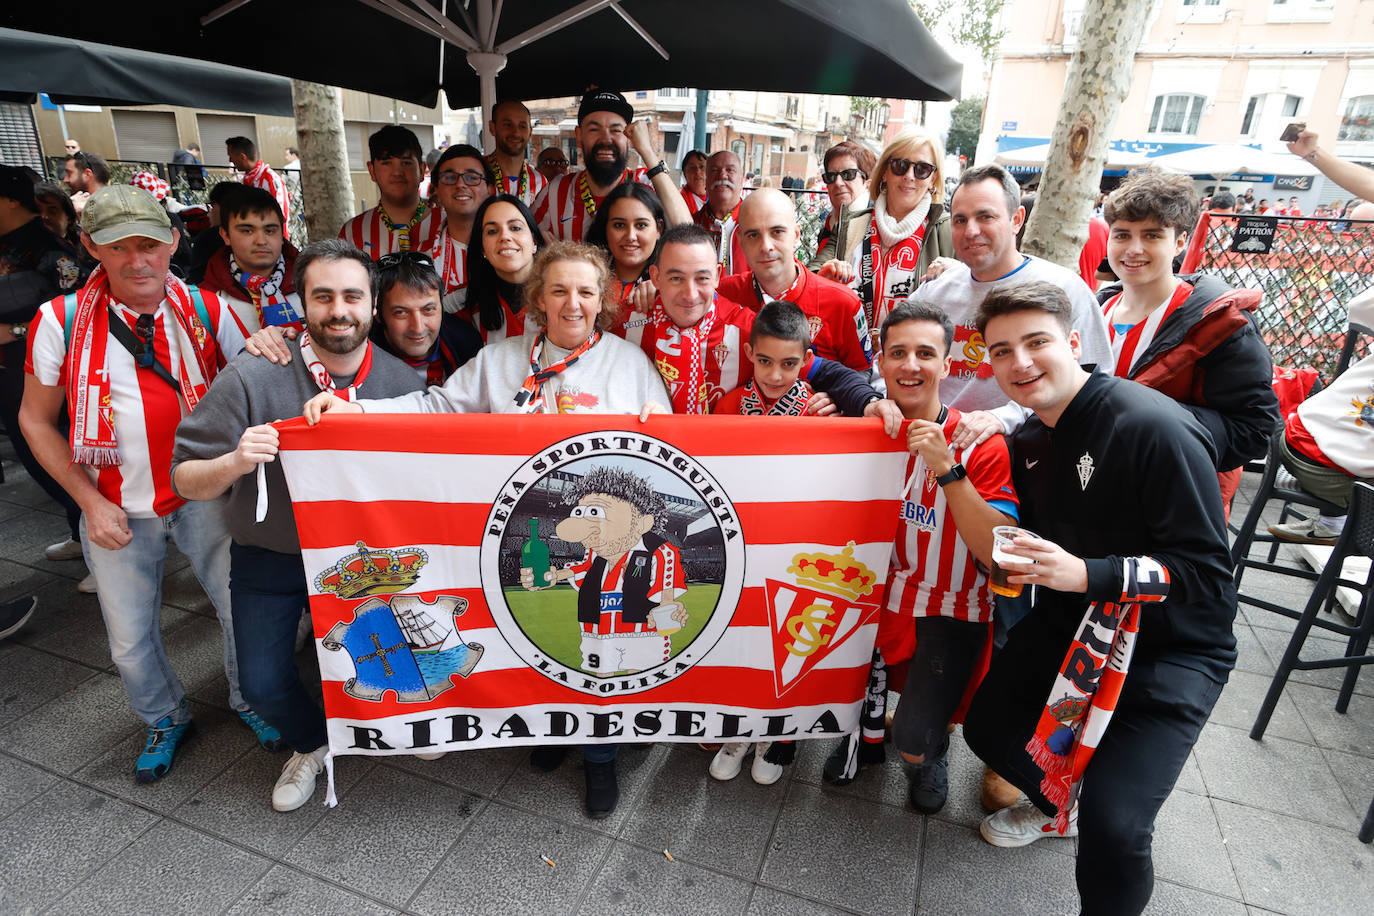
(92, 434)
(322, 377)
(792, 403)
(687, 362)
(1131, 344)
(530, 397)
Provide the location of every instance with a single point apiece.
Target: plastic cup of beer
(1006, 564)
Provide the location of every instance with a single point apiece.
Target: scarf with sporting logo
(792, 403)
(92, 434)
(271, 304)
(530, 397)
(888, 258)
(1088, 685)
(683, 367)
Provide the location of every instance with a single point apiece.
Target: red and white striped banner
(713, 578)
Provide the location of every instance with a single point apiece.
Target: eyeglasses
(397, 258)
(144, 330)
(846, 174)
(471, 178)
(919, 170)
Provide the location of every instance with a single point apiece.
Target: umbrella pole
(487, 65)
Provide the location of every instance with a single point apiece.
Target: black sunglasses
(920, 170)
(471, 178)
(144, 330)
(846, 174)
(397, 258)
(558, 162)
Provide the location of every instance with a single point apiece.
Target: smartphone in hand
(1290, 133)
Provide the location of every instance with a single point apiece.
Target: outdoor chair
(1356, 540)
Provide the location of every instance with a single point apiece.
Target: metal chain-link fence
(191, 184)
(1307, 269)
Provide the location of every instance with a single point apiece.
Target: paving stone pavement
(1252, 827)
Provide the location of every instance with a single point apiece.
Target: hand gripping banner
(487, 580)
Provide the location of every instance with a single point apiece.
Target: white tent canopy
(1222, 159)
(1036, 156)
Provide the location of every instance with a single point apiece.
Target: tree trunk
(1098, 79)
(325, 180)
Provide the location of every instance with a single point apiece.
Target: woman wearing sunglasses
(889, 246)
(844, 174)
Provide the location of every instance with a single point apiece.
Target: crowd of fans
(143, 370)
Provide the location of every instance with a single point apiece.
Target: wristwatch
(657, 170)
(955, 473)
(20, 331)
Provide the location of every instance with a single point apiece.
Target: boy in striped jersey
(401, 221)
(938, 611)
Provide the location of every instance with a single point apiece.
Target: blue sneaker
(268, 736)
(164, 736)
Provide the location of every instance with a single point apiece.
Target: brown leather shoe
(997, 793)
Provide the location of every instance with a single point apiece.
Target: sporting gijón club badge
(814, 614)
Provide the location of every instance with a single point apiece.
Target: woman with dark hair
(628, 225)
(56, 210)
(499, 266)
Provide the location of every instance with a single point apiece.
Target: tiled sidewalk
(1252, 827)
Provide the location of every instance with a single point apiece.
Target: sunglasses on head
(846, 174)
(472, 178)
(144, 330)
(920, 170)
(397, 258)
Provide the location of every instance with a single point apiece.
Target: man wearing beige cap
(129, 354)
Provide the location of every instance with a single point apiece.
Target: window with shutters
(19, 137)
(215, 129)
(145, 136)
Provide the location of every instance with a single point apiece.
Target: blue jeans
(128, 583)
(268, 591)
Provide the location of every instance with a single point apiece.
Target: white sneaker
(1022, 824)
(87, 585)
(63, 550)
(433, 755)
(297, 781)
(764, 773)
(729, 760)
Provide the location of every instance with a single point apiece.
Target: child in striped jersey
(787, 380)
(937, 613)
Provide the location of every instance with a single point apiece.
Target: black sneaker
(602, 790)
(546, 757)
(14, 614)
(929, 785)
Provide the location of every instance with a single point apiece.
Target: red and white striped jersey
(369, 232)
(451, 263)
(694, 203)
(933, 573)
(260, 176)
(532, 179)
(145, 409)
(512, 324)
(561, 210)
(1130, 342)
(667, 581)
(725, 363)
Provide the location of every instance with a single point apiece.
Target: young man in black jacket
(1107, 683)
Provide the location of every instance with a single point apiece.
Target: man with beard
(129, 354)
(721, 213)
(85, 173)
(220, 447)
(605, 130)
(510, 129)
(694, 180)
(401, 221)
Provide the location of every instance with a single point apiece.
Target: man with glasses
(552, 162)
(252, 272)
(605, 131)
(846, 168)
(724, 191)
(460, 180)
(401, 221)
(130, 354)
(220, 447)
(510, 127)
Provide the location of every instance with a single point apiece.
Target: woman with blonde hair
(889, 246)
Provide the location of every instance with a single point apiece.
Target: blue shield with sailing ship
(407, 646)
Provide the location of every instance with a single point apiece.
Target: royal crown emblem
(373, 572)
(839, 574)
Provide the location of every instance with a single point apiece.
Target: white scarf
(892, 231)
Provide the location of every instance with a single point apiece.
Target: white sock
(1331, 522)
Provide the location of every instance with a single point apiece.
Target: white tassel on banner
(330, 799)
(261, 512)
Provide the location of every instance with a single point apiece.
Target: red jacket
(838, 328)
